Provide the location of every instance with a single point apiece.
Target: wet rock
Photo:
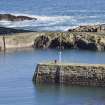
(42, 42)
(81, 44)
(92, 46)
(63, 42)
(86, 45)
(55, 43)
(10, 17)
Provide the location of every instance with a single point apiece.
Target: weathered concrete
(18, 40)
(72, 74)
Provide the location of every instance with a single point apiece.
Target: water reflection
(17, 69)
(69, 95)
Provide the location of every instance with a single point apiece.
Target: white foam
(41, 21)
(55, 28)
(49, 23)
(96, 23)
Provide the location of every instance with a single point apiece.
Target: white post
(60, 56)
(60, 50)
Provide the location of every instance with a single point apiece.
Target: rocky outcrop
(9, 17)
(89, 28)
(45, 40)
(72, 74)
(86, 41)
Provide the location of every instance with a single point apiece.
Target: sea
(17, 66)
(54, 15)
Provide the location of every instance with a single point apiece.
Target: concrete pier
(72, 74)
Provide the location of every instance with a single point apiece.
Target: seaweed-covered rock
(10, 17)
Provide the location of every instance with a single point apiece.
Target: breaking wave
(52, 23)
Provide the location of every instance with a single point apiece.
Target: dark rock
(10, 17)
(42, 42)
(21, 18)
(92, 46)
(55, 43)
(0, 48)
(81, 44)
(80, 41)
(84, 44)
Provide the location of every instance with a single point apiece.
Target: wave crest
(51, 23)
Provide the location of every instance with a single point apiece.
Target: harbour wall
(44, 40)
(71, 74)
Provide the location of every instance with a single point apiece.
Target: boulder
(10, 17)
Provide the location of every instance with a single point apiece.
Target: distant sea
(54, 15)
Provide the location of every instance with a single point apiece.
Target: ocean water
(17, 67)
(54, 15)
(16, 86)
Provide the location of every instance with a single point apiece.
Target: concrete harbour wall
(72, 74)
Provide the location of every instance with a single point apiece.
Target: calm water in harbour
(17, 88)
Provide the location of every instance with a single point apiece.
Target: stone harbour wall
(44, 40)
(71, 74)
